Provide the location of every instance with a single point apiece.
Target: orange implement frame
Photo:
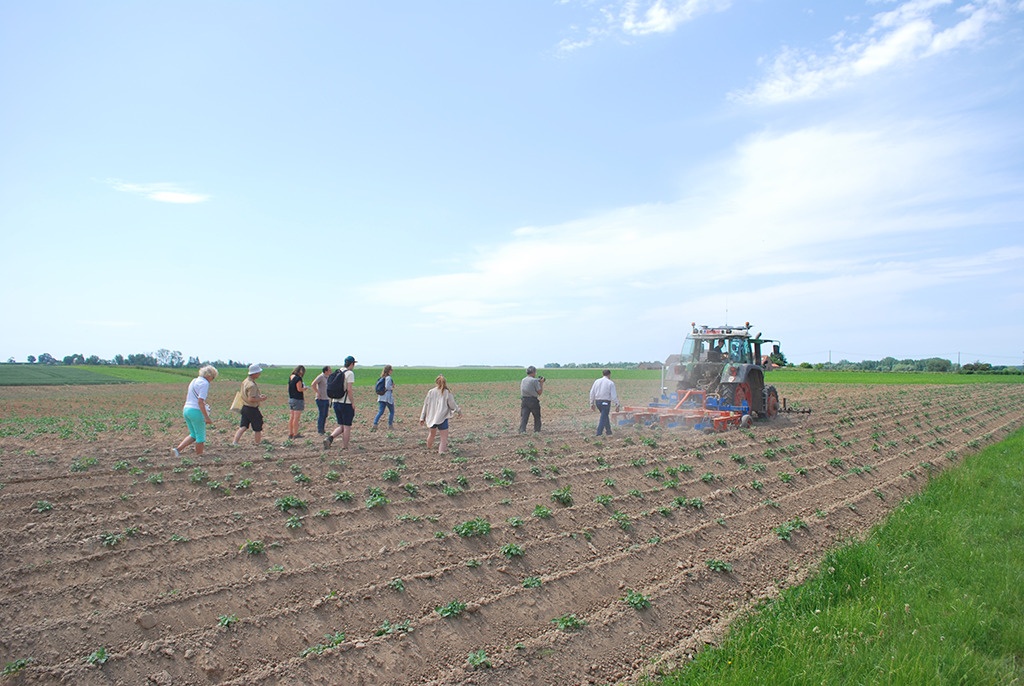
(688, 412)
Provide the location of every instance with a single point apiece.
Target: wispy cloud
(625, 19)
(160, 192)
(913, 31)
(821, 208)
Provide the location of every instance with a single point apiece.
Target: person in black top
(296, 401)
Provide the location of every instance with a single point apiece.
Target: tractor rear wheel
(771, 402)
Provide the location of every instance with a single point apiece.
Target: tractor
(725, 364)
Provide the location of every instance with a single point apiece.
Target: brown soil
(153, 597)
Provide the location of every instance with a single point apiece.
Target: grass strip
(935, 595)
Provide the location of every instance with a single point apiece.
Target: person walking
(602, 397)
(530, 388)
(438, 407)
(344, 407)
(296, 401)
(251, 399)
(196, 412)
(323, 403)
(385, 400)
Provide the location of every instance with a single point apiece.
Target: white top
(438, 406)
(603, 389)
(198, 389)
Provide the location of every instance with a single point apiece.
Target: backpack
(336, 385)
(382, 386)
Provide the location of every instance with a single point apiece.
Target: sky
(483, 183)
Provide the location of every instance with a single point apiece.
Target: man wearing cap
(344, 408)
(530, 388)
(251, 399)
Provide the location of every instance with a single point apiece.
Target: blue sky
(494, 183)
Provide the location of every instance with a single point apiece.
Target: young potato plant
(478, 660)
(716, 565)
(636, 600)
(473, 527)
(227, 621)
(563, 496)
(289, 502)
(97, 657)
(452, 609)
(376, 498)
(541, 512)
(568, 622)
(511, 550)
(330, 641)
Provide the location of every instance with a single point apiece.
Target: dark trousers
(322, 408)
(604, 423)
(530, 406)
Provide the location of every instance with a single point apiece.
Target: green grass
(49, 375)
(935, 595)
(60, 375)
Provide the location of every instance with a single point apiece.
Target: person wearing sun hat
(251, 399)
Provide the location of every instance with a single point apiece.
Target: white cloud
(832, 210)
(906, 34)
(160, 192)
(626, 19)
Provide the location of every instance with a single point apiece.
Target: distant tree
(31, 359)
(119, 359)
(552, 365)
(93, 359)
(47, 358)
(10, 360)
(193, 362)
(142, 360)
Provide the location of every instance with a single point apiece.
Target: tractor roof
(724, 331)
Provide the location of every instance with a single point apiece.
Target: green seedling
(636, 600)
(568, 622)
(452, 609)
(376, 498)
(387, 628)
(343, 496)
(478, 660)
(541, 512)
(330, 641)
(289, 502)
(252, 547)
(472, 563)
(293, 522)
(42, 506)
(412, 489)
(622, 519)
(515, 522)
(178, 538)
(397, 584)
(473, 527)
(391, 475)
(511, 550)
(243, 484)
(604, 499)
(563, 496)
(97, 657)
(16, 666)
(531, 582)
(227, 621)
(784, 531)
(718, 566)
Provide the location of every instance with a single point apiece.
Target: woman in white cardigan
(438, 407)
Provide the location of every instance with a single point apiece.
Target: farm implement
(717, 380)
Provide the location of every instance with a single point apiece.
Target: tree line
(161, 358)
(929, 364)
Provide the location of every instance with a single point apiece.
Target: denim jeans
(604, 423)
(381, 406)
(322, 408)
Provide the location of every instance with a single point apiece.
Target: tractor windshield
(739, 351)
(692, 349)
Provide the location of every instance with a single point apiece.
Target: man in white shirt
(602, 396)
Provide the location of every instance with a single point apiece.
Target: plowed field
(109, 541)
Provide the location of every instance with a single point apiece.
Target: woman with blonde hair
(438, 407)
(196, 412)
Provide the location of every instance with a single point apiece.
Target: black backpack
(382, 386)
(336, 384)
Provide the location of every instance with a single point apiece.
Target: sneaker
(234, 445)
(373, 428)
(328, 441)
(177, 453)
